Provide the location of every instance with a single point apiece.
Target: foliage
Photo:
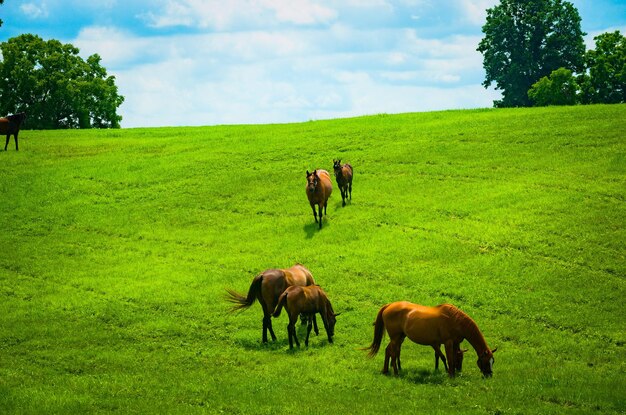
(526, 40)
(117, 246)
(606, 80)
(557, 89)
(55, 86)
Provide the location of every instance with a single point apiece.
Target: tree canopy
(526, 40)
(606, 80)
(55, 86)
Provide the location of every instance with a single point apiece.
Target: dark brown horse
(343, 175)
(318, 190)
(11, 125)
(444, 324)
(308, 301)
(267, 288)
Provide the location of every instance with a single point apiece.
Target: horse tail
(279, 306)
(379, 332)
(242, 302)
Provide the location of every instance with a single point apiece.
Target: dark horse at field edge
(267, 288)
(10, 125)
(431, 326)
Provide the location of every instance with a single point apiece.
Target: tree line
(534, 52)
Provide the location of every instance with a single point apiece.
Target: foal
(308, 301)
(267, 288)
(343, 174)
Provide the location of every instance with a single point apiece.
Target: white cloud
(35, 11)
(286, 75)
(223, 15)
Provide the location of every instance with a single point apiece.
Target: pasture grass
(117, 245)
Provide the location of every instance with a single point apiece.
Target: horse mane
(467, 327)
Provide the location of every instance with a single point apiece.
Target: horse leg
(450, 356)
(292, 328)
(399, 346)
(387, 357)
(270, 328)
(309, 327)
(317, 331)
(320, 209)
(314, 213)
(7, 143)
(264, 329)
(439, 355)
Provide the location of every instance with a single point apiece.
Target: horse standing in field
(267, 288)
(343, 175)
(318, 190)
(11, 125)
(432, 326)
(308, 300)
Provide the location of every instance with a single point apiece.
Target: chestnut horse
(11, 125)
(318, 190)
(343, 175)
(267, 288)
(308, 301)
(432, 326)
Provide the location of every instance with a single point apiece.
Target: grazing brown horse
(432, 326)
(343, 175)
(267, 288)
(11, 125)
(308, 301)
(318, 190)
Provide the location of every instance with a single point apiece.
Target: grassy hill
(116, 248)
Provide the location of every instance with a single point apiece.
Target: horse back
(346, 171)
(422, 324)
(298, 275)
(327, 184)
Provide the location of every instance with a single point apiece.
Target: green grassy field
(116, 248)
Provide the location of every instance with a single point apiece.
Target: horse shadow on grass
(282, 342)
(312, 228)
(422, 376)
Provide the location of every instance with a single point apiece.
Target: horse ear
(494, 350)
(307, 173)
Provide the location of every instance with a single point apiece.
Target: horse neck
(472, 333)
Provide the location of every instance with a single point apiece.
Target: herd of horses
(295, 290)
(10, 126)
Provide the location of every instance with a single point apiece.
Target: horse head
(485, 362)
(312, 181)
(337, 165)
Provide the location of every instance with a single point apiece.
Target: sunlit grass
(117, 247)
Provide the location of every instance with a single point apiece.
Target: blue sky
(207, 62)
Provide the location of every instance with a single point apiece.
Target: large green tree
(526, 40)
(55, 86)
(606, 80)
